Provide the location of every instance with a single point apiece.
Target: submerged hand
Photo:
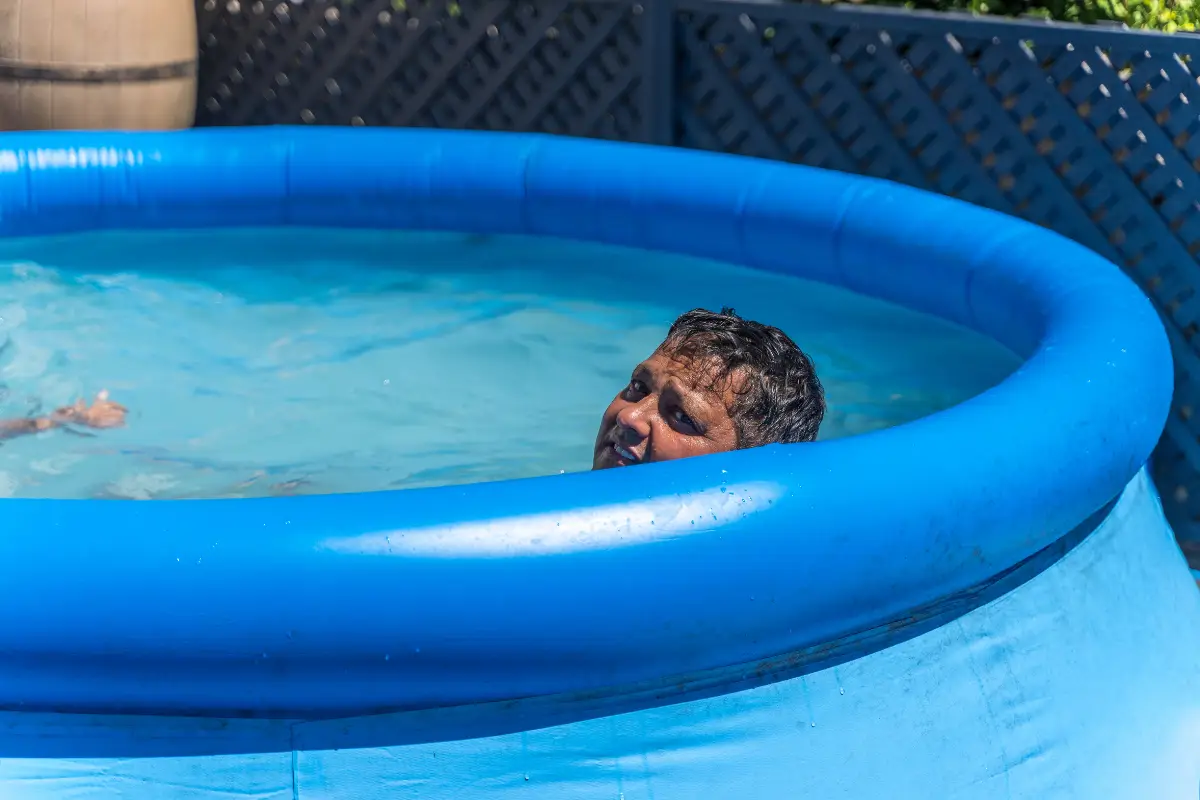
(102, 413)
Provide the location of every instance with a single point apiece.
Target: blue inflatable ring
(347, 604)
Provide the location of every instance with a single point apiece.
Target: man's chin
(604, 461)
(607, 458)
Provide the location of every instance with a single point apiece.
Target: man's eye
(682, 418)
(636, 387)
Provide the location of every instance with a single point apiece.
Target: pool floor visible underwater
(258, 362)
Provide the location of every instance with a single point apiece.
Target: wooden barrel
(97, 64)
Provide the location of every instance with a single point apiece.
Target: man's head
(717, 382)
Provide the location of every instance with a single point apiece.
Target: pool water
(280, 361)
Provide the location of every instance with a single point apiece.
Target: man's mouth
(625, 455)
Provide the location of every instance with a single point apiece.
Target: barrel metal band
(16, 70)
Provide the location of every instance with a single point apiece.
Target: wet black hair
(779, 398)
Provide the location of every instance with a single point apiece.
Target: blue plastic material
(532, 603)
(1081, 683)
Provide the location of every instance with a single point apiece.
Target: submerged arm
(12, 428)
(102, 413)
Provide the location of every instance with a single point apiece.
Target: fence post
(658, 70)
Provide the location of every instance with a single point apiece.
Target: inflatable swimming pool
(982, 603)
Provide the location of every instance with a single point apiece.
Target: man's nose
(633, 422)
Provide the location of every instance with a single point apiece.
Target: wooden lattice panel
(556, 66)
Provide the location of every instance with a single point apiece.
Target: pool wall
(1007, 629)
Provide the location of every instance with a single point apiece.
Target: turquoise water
(259, 362)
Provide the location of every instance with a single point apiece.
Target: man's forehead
(700, 373)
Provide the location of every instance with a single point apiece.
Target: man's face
(671, 409)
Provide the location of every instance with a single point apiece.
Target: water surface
(259, 362)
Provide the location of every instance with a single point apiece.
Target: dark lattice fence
(549, 65)
(1092, 132)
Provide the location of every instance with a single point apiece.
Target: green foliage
(1159, 15)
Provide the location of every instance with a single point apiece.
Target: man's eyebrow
(694, 395)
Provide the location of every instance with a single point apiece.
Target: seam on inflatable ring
(854, 196)
(988, 249)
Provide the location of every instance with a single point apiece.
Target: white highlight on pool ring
(72, 158)
(570, 530)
